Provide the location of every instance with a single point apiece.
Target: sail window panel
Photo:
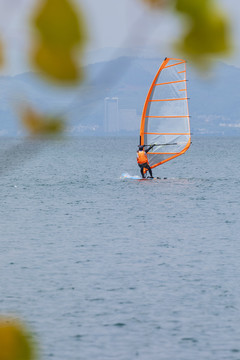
(167, 108)
(153, 139)
(169, 91)
(177, 62)
(171, 74)
(179, 142)
(176, 66)
(154, 159)
(168, 125)
(181, 69)
(173, 62)
(167, 145)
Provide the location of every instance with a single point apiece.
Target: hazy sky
(130, 23)
(111, 23)
(120, 23)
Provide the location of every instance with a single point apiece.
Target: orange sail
(165, 118)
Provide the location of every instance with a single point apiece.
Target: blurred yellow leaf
(61, 35)
(197, 8)
(59, 64)
(207, 31)
(37, 124)
(1, 54)
(15, 342)
(59, 25)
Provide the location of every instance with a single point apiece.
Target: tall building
(111, 118)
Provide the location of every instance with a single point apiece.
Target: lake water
(105, 268)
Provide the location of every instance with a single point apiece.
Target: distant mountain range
(214, 98)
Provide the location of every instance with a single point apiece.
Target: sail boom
(163, 153)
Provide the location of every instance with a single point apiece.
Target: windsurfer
(142, 159)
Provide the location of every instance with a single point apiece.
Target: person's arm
(150, 147)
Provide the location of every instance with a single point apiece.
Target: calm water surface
(105, 268)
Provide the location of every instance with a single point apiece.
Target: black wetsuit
(146, 165)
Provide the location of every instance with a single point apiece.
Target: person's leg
(141, 169)
(150, 171)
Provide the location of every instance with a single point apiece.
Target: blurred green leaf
(60, 25)
(207, 30)
(57, 63)
(1, 54)
(196, 8)
(61, 35)
(38, 125)
(15, 341)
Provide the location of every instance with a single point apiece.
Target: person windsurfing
(142, 159)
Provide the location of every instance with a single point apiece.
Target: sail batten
(170, 82)
(165, 117)
(169, 99)
(182, 62)
(153, 133)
